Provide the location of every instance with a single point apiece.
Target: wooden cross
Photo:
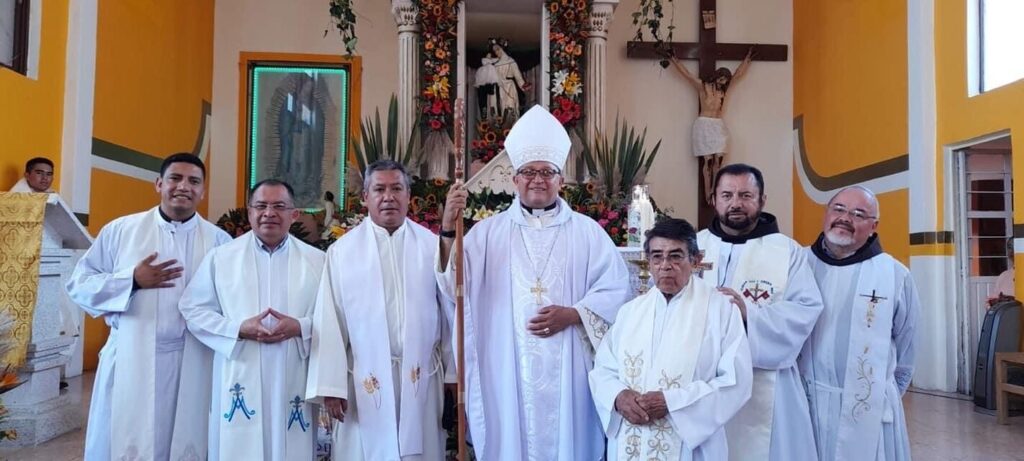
(707, 51)
(538, 290)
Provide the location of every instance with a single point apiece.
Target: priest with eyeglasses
(675, 366)
(859, 359)
(543, 283)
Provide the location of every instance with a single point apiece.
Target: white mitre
(537, 135)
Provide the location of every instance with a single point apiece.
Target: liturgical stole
(671, 366)
(869, 373)
(240, 382)
(136, 339)
(364, 309)
(760, 277)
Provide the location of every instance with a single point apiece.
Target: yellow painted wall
(961, 117)
(850, 86)
(32, 111)
(154, 69)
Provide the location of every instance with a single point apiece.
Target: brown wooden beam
(721, 51)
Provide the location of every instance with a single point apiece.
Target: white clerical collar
(266, 248)
(384, 232)
(174, 226)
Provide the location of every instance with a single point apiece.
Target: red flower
(614, 231)
(435, 124)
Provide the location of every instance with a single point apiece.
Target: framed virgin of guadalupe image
(298, 125)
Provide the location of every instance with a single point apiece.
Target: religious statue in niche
(710, 137)
(500, 84)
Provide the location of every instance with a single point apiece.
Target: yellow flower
(571, 85)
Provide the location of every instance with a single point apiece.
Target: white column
(79, 86)
(937, 338)
(597, 57)
(407, 17)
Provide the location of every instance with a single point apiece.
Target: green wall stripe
(121, 154)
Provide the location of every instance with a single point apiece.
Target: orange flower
(553, 7)
(439, 53)
(428, 45)
(438, 182)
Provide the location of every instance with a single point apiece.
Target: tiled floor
(941, 429)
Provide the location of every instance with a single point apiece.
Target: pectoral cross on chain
(538, 290)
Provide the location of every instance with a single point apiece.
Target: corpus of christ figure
(710, 136)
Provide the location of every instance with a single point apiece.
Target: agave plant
(373, 145)
(619, 165)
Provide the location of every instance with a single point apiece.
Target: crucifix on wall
(712, 84)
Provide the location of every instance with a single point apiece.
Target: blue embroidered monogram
(238, 403)
(297, 414)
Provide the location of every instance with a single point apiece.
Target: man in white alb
(542, 285)
(675, 366)
(132, 277)
(380, 347)
(859, 359)
(251, 302)
(767, 276)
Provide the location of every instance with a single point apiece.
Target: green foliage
(373, 145)
(619, 165)
(344, 19)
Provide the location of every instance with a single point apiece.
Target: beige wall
(294, 26)
(759, 115)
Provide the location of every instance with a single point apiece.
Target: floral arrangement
(491, 134)
(568, 35)
(344, 19)
(438, 20)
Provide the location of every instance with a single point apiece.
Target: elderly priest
(675, 366)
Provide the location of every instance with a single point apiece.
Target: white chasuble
(645, 368)
(538, 274)
(693, 350)
(522, 404)
(760, 280)
(394, 397)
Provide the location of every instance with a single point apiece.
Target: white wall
(293, 26)
(759, 116)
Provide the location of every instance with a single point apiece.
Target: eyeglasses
(857, 214)
(278, 207)
(673, 259)
(544, 174)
